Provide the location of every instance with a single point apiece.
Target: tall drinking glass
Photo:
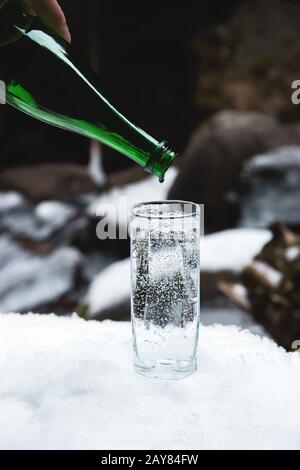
(165, 261)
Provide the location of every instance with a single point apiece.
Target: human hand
(50, 13)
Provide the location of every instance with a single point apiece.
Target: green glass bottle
(46, 80)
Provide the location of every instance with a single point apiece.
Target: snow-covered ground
(230, 250)
(69, 384)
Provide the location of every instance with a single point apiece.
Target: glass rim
(135, 209)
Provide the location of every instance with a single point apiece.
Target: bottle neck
(160, 160)
(92, 115)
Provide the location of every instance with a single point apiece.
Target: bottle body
(57, 87)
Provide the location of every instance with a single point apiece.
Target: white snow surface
(69, 384)
(230, 250)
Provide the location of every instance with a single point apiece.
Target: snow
(11, 252)
(69, 384)
(55, 212)
(23, 223)
(28, 224)
(230, 250)
(273, 276)
(96, 170)
(240, 291)
(292, 253)
(281, 158)
(35, 223)
(273, 181)
(28, 280)
(10, 200)
(110, 287)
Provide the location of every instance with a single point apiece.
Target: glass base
(165, 369)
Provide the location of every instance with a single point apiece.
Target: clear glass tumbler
(165, 261)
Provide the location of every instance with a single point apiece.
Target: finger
(2, 2)
(51, 13)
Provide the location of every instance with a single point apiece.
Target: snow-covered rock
(39, 223)
(28, 280)
(55, 213)
(110, 287)
(69, 384)
(281, 158)
(274, 194)
(10, 200)
(273, 276)
(230, 250)
(24, 223)
(11, 252)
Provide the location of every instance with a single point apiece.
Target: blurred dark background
(169, 66)
(213, 79)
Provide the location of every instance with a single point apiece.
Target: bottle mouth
(160, 160)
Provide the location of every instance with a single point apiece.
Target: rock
(210, 294)
(109, 289)
(29, 281)
(54, 212)
(48, 181)
(273, 189)
(269, 287)
(210, 168)
(43, 227)
(248, 61)
(223, 257)
(29, 224)
(117, 312)
(224, 313)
